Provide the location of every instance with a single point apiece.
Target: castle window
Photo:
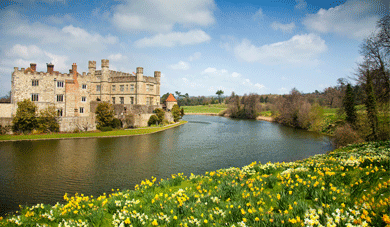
(84, 86)
(122, 100)
(131, 100)
(122, 87)
(59, 112)
(131, 87)
(60, 98)
(151, 87)
(81, 109)
(113, 100)
(34, 97)
(113, 87)
(127, 87)
(97, 87)
(147, 87)
(35, 83)
(147, 101)
(83, 99)
(60, 83)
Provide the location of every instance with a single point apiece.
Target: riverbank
(347, 187)
(114, 133)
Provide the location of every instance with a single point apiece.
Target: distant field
(213, 108)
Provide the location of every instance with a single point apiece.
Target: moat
(34, 172)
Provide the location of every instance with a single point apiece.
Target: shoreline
(210, 114)
(102, 136)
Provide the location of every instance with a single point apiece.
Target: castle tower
(140, 86)
(157, 75)
(105, 86)
(92, 67)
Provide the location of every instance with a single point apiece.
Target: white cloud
(162, 15)
(301, 4)
(174, 39)
(195, 56)
(355, 19)
(117, 57)
(69, 37)
(181, 65)
(26, 52)
(259, 14)
(298, 49)
(21, 56)
(283, 27)
(209, 70)
(234, 74)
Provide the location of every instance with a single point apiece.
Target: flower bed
(348, 187)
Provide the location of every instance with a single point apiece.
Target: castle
(75, 95)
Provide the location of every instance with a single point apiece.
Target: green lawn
(347, 187)
(122, 132)
(212, 108)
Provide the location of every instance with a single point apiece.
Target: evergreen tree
(176, 113)
(370, 103)
(349, 105)
(104, 115)
(25, 119)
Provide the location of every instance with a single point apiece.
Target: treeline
(186, 100)
(307, 111)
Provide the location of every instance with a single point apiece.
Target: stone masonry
(73, 93)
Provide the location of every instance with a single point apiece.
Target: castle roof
(170, 98)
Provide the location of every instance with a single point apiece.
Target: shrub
(5, 129)
(104, 114)
(106, 128)
(153, 120)
(176, 113)
(25, 119)
(160, 113)
(116, 123)
(47, 120)
(345, 135)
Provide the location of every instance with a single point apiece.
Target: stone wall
(4, 121)
(70, 124)
(6, 110)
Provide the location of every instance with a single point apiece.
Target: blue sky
(200, 46)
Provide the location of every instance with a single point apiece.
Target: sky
(200, 46)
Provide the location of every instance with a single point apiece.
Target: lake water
(34, 172)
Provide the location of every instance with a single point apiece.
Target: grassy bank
(114, 133)
(212, 108)
(347, 187)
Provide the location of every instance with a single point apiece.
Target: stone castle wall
(73, 94)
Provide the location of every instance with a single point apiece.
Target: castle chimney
(74, 68)
(50, 68)
(33, 67)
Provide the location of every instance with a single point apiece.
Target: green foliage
(164, 97)
(5, 129)
(182, 112)
(219, 93)
(25, 119)
(160, 113)
(176, 113)
(116, 123)
(153, 120)
(371, 108)
(349, 105)
(104, 114)
(106, 128)
(47, 120)
(129, 120)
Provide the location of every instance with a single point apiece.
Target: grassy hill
(347, 187)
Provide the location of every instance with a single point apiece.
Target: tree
(104, 115)
(219, 93)
(47, 120)
(160, 113)
(164, 97)
(176, 112)
(349, 105)
(182, 112)
(25, 119)
(370, 103)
